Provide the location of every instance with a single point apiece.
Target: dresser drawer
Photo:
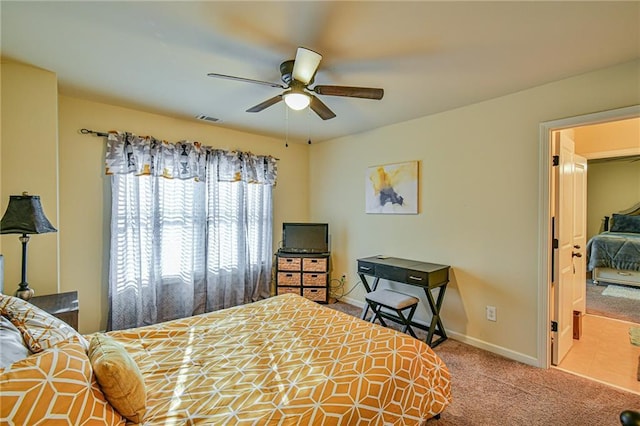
(391, 273)
(288, 278)
(315, 294)
(418, 278)
(366, 268)
(314, 279)
(286, 290)
(311, 264)
(289, 263)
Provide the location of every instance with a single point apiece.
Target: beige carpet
(488, 389)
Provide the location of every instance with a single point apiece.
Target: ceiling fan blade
(305, 65)
(246, 80)
(265, 104)
(352, 92)
(321, 109)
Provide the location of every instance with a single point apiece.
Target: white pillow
(12, 344)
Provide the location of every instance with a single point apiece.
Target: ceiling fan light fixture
(297, 100)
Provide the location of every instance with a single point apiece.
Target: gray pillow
(625, 223)
(12, 344)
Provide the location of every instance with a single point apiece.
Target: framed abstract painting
(392, 188)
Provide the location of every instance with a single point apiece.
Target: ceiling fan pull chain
(309, 125)
(286, 124)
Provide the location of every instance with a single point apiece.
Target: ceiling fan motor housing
(286, 71)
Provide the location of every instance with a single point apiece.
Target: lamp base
(25, 292)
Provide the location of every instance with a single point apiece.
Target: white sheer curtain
(191, 229)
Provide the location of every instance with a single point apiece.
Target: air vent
(207, 118)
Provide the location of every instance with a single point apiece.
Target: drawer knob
(415, 278)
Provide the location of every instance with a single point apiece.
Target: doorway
(546, 307)
(603, 351)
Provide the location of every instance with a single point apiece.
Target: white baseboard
(354, 302)
(490, 347)
(472, 341)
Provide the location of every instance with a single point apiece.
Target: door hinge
(554, 326)
(554, 243)
(556, 160)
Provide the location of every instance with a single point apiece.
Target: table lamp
(25, 216)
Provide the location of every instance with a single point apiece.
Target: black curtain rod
(93, 132)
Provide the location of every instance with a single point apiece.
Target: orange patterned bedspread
(285, 361)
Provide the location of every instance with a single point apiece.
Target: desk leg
(436, 326)
(368, 289)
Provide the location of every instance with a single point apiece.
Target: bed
(283, 361)
(614, 255)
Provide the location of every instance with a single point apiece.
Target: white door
(563, 282)
(580, 233)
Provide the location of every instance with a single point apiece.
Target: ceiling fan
(297, 75)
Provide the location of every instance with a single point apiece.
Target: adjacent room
(319, 212)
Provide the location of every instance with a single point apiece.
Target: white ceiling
(428, 56)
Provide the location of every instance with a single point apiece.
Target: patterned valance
(145, 155)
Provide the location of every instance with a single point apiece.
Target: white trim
(544, 219)
(544, 241)
(481, 344)
(354, 302)
(472, 341)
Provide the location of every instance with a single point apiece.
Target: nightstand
(61, 305)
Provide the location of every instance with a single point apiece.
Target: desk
(429, 276)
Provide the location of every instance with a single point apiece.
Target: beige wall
(611, 187)
(28, 154)
(85, 195)
(479, 201)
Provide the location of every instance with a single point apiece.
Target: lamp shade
(24, 215)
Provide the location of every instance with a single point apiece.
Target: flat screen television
(305, 238)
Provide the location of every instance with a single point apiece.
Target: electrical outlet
(492, 314)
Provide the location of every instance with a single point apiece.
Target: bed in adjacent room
(284, 360)
(614, 254)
